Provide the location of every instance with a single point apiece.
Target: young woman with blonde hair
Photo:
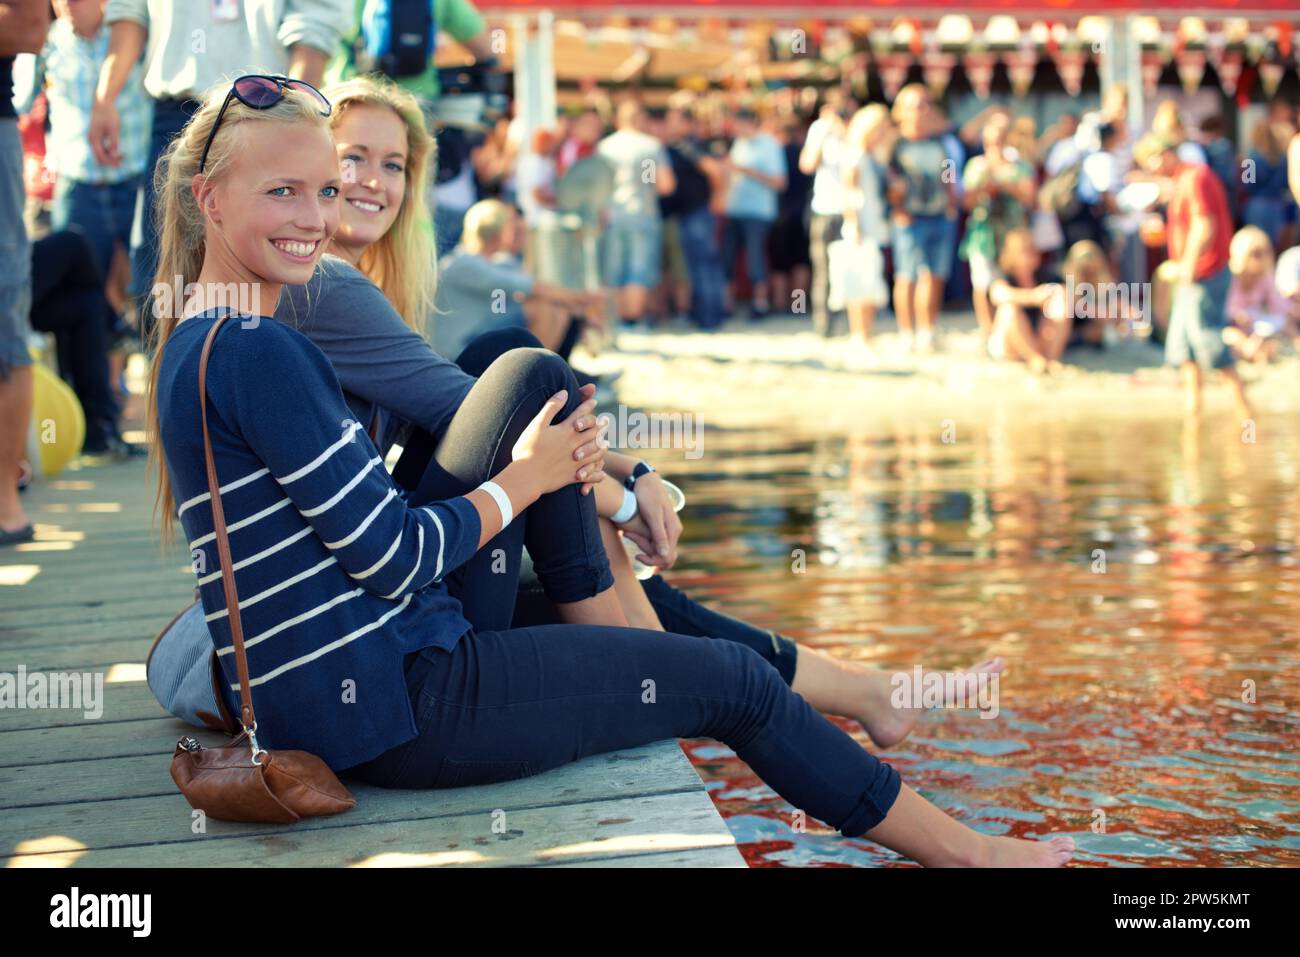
(343, 576)
(409, 395)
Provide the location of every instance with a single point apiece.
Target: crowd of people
(269, 440)
(825, 213)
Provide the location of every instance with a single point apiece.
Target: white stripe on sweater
(392, 549)
(442, 536)
(415, 566)
(281, 586)
(315, 463)
(326, 649)
(242, 523)
(283, 543)
(360, 529)
(338, 496)
(237, 483)
(296, 620)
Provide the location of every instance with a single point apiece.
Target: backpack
(1060, 194)
(397, 37)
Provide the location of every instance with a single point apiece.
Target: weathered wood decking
(89, 596)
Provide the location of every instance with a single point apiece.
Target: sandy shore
(778, 371)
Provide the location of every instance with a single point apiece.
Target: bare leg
(917, 829)
(636, 607)
(1053, 336)
(1190, 373)
(1244, 410)
(862, 316)
(1021, 342)
(983, 312)
(903, 289)
(926, 306)
(15, 419)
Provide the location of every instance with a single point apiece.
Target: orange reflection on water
(1141, 579)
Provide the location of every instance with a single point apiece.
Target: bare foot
(1014, 852)
(887, 725)
(1037, 365)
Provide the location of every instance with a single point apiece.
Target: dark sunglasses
(261, 93)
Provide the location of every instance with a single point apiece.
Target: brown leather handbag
(239, 781)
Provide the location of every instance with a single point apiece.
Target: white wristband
(502, 499)
(627, 510)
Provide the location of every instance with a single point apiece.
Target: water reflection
(1141, 580)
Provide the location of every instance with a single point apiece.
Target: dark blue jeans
(752, 234)
(102, 214)
(508, 704)
(169, 118)
(698, 234)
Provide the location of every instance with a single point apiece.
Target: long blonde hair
(181, 233)
(402, 263)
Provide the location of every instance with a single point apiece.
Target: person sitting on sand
(1087, 314)
(1259, 313)
(357, 588)
(1021, 331)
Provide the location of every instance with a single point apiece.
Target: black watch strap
(640, 469)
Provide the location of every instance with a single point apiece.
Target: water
(1142, 580)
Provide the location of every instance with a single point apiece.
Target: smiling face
(274, 206)
(372, 150)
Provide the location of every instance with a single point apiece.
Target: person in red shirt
(1199, 231)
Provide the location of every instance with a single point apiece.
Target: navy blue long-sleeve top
(338, 578)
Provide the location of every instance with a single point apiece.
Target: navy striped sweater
(338, 577)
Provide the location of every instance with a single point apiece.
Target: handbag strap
(246, 716)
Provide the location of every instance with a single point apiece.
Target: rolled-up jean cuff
(875, 802)
(567, 585)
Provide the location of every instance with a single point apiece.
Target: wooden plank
(91, 739)
(122, 701)
(591, 832)
(82, 656)
(165, 816)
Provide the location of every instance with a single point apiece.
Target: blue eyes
(356, 160)
(329, 192)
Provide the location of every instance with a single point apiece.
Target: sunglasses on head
(261, 93)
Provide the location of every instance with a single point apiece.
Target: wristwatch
(642, 468)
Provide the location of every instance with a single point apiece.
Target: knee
(1007, 314)
(485, 349)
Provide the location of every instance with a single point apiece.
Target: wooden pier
(90, 594)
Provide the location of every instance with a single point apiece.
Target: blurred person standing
(866, 220)
(633, 238)
(824, 158)
(535, 188)
(23, 25)
(696, 173)
(788, 242)
(923, 203)
(585, 132)
(187, 48)
(757, 173)
(94, 199)
(1265, 179)
(1199, 236)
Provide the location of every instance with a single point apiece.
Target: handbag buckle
(252, 741)
(190, 744)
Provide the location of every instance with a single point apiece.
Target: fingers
(581, 417)
(553, 405)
